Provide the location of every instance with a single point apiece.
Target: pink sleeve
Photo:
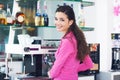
(87, 64)
(64, 51)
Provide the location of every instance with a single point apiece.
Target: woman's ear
(70, 22)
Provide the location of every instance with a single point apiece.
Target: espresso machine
(115, 51)
(37, 53)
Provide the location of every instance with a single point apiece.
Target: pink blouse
(66, 66)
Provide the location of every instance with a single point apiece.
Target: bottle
(64, 4)
(9, 17)
(41, 20)
(20, 18)
(2, 15)
(81, 18)
(39, 17)
(71, 5)
(45, 15)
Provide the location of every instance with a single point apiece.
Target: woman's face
(62, 22)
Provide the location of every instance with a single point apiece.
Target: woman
(72, 55)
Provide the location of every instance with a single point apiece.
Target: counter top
(35, 78)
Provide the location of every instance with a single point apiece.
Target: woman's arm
(86, 64)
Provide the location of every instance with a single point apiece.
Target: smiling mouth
(58, 27)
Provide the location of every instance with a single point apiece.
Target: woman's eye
(62, 20)
(56, 19)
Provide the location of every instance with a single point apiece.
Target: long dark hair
(82, 47)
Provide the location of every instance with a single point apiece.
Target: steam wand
(32, 63)
(6, 68)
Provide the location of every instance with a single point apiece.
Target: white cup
(25, 39)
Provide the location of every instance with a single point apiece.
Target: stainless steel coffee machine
(115, 51)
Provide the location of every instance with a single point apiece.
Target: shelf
(87, 28)
(6, 27)
(85, 3)
(82, 28)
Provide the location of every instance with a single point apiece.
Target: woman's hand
(49, 74)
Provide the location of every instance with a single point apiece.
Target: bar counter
(36, 78)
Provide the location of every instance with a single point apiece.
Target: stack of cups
(25, 39)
